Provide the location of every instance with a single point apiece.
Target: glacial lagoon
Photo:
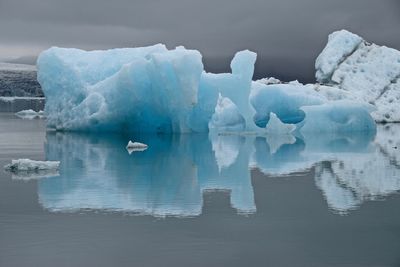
(200, 200)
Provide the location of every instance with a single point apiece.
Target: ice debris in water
(276, 126)
(135, 146)
(27, 165)
(153, 89)
(30, 114)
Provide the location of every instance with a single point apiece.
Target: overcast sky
(286, 34)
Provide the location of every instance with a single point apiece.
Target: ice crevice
(369, 74)
(387, 87)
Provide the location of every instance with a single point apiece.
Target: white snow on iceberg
(369, 72)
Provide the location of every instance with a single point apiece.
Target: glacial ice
(27, 165)
(153, 89)
(369, 72)
(276, 126)
(135, 146)
(309, 109)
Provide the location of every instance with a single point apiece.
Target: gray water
(199, 200)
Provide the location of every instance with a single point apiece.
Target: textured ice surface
(153, 89)
(309, 109)
(369, 72)
(340, 45)
(17, 165)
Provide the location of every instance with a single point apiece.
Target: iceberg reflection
(171, 176)
(168, 178)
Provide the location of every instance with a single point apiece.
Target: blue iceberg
(153, 89)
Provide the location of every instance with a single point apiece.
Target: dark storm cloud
(286, 34)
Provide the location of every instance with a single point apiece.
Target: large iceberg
(153, 89)
(369, 72)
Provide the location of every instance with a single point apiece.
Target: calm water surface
(199, 200)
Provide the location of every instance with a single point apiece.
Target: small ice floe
(17, 165)
(279, 133)
(136, 147)
(30, 114)
(276, 126)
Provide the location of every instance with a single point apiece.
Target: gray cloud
(286, 34)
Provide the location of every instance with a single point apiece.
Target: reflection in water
(171, 176)
(168, 178)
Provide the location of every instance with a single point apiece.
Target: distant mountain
(19, 80)
(5, 66)
(29, 60)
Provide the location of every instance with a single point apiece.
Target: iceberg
(136, 146)
(27, 165)
(368, 72)
(30, 114)
(156, 90)
(309, 110)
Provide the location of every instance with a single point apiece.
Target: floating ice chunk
(136, 146)
(269, 80)
(27, 165)
(30, 114)
(369, 72)
(276, 126)
(278, 133)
